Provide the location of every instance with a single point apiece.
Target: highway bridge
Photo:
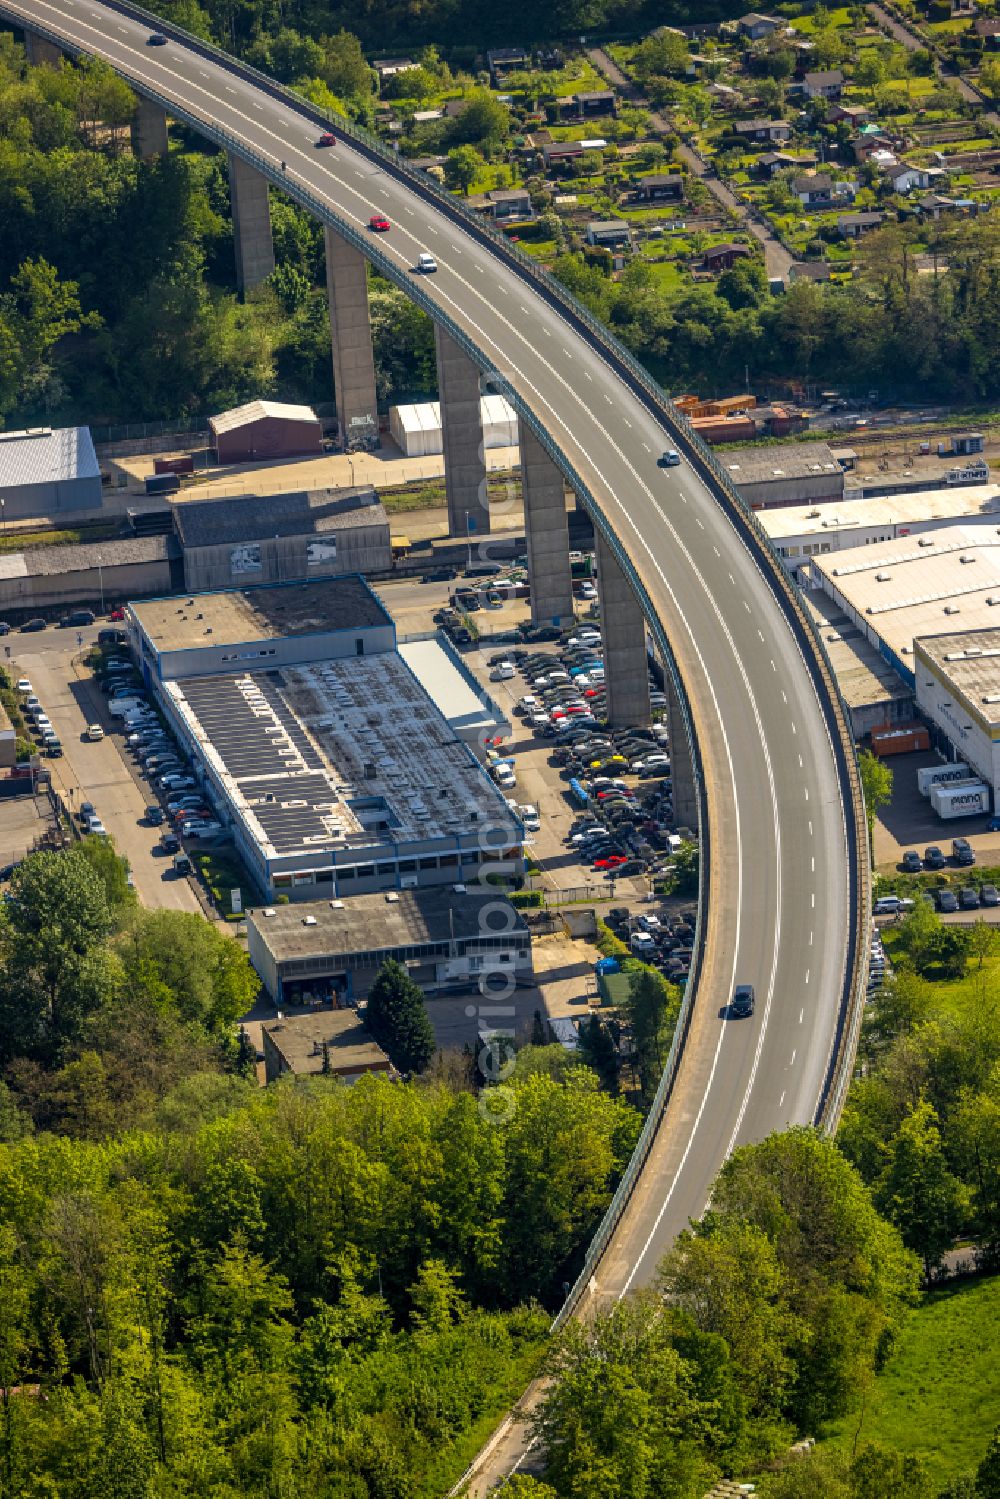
(785, 895)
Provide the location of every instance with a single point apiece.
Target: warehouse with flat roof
(445, 938)
(46, 470)
(794, 473)
(958, 692)
(945, 581)
(337, 773)
(282, 538)
(801, 532)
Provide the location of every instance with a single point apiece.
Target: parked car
(933, 857)
(32, 626)
(989, 895)
(912, 863)
(94, 732)
(154, 815)
(947, 901)
(968, 898)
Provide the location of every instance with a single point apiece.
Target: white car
(502, 673)
(23, 685)
(588, 591)
(529, 704)
(426, 263)
(203, 828)
(642, 942)
(505, 777)
(94, 732)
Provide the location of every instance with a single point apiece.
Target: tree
(988, 1472)
(112, 868)
(483, 122)
(651, 1013)
(37, 311)
(918, 1192)
(188, 966)
(462, 166)
(397, 1017)
(51, 976)
(744, 285)
(598, 1050)
(989, 77)
(876, 786)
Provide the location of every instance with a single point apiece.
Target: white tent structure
(416, 430)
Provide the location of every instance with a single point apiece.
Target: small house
(610, 234)
(987, 28)
(388, 67)
(755, 27)
(587, 105)
(763, 130)
(510, 204)
(723, 257)
(905, 178)
(558, 153)
(504, 60)
(828, 84)
(660, 187)
(853, 225)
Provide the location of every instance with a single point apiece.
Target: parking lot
(97, 772)
(907, 822)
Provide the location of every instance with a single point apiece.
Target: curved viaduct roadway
(778, 813)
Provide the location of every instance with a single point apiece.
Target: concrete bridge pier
(351, 335)
(149, 130)
(462, 433)
(546, 532)
(251, 224)
(624, 630)
(41, 52)
(685, 795)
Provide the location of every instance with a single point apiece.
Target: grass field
(939, 1397)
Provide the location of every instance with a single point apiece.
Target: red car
(327, 139)
(379, 223)
(116, 615)
(611, 862)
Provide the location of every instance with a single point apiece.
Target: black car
(742, 1003)
(947, 901)
(154, 815)
(76, 619)
(933, 857)
(4, 627)
(968, 898)
(32, 626)
(156, 39)
(989, 895)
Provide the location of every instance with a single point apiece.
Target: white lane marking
(784, 699)
(609, 401)
(812, 900)
(800, 762)
(775, 670)
(760, 636)
(807, 793)
(715, 549)
(812, 864)
(626, 421)
(802, 1015)
(647, 447)
(732, 580)
(781, 1100)
(810, 828)
(811, 934)
(746, 606)
(808, 972)
(794, 1055)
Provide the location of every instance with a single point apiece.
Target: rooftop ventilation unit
(308, 921)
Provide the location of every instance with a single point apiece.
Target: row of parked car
(946, 899)
(664, 942)
(36, 717)
(962, 854)
(164, 764)
(566, 684)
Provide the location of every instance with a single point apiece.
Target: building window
(345, 874)
(428, 863)
(359, 646)
(447, 861)
(282, 881)
(387, 869)
(324, 876)
(366, 871)
(407, 866)
(304, 878)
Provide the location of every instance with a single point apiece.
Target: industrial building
(793, 474)
(282, 538)
(800, 532)
(445, 938)
(455, 691)
(895, 591)
(265, 429)
(336, 773)
(873, 691)
(416, 430)
(47, 579)
(46, 471)
(330, 1041)
(958, 693)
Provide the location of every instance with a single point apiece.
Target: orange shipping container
(900, 739)
(724, 428)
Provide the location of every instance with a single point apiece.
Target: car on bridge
(743, 1001)
(327, 139)
(379, 223)
(156, 39)
(426, 264)
(669, 459)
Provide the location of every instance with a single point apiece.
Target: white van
(124, 705)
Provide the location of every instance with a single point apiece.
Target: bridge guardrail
(656, 400)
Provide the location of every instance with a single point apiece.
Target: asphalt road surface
(780, 902)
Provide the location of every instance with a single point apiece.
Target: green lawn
(939, 1396)
(840, 16)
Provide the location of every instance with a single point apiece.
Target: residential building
(659, 187)
(724, 257)
(763, 130)
(854, 225)
(905, 178)
(610, 234)
(558, 153)
(827, 84)
(282, 538)
(772, 162)
(847, 114)
(809, 270)
(819, 190)
(388, 67)
(265, 429)
(755, 27)
(586, 105)
(987, 28)
(446, 939)
(45, 471)
(334, 1042)
(504, 60)
(511, 204)
(316, 744)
